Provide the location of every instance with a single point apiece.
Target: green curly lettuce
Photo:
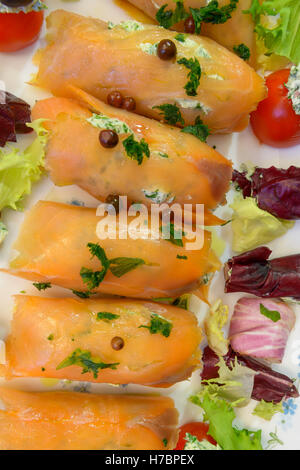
(277, 23)
(220, 416)
(19, 170)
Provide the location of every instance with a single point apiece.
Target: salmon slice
(46, 331)
(52, 247)
(101, 58)
(180, 168)
(63, 420)
(237, 30)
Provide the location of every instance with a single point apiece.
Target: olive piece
(113, 199)
(117, 343)
(189, 25)
(166, 49)
(108, 138)
(129, 103)
(16, 3)
(115, 99)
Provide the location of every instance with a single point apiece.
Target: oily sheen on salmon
(101, 58)
(102, 340)
(180, 167)
(53, 247)
(62, 420)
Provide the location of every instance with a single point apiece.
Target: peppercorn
(108, 139)
(189, 25)
(115, 99)
(129, 103)
(117, 343)
(113, 199)
(166, 49)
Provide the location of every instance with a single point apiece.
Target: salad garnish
(88, 363)
(194, 75)
(159, 324)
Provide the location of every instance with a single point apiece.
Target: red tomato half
(196, 429)
(275, 122)
(19, 30)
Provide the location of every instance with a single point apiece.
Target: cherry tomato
(275, 122)
(19, 30)
(196, 429)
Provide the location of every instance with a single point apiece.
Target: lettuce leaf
(234, 385)
(214, 322)
(282, 35)
(19, 170)
(220, 416)
(266, 410)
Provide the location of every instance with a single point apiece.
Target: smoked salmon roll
(200, 78)
(180, 168)
(238, 29)
(62, 244)
(62, 420)
(102, 340)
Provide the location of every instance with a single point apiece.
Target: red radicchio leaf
(14, 114)
(277, 191)
(253, 273)
(269, 385)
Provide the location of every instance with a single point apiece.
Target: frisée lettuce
(19, 170)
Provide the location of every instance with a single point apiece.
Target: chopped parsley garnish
(85, 360)
(194, 75)
(163, 155)
(180, 37)
(242, 51)
(159, 325)
(211, 13)
(171, 114)
(165, 442)
(42, 285)
(168, 18)
(181, 257)
(117, 266)
(199, 130)
(136, 150)
(82, 294)
(107, 316)
(171, 235)
(271, 314)
(182, 302)
(121, 266)
(50, 337)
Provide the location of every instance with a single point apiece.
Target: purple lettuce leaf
(269, 385)
(14, 114)
(253, 273)
(276, 190)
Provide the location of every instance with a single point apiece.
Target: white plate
(15, 71)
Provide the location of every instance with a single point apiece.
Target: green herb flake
(136, 150)
(194, 75)
(42, 285)
(88, 363)
(165, 442)
(242, 51)
(82, 294)
(273, 315)
(172, 235)
(181, 257)
(199, 130)
(171, 114)
(118, 267)
(107, 316)
(159, 324)
(180, 37)
(211, 13)
(50, 337)
(167, 18)
(182, 301)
